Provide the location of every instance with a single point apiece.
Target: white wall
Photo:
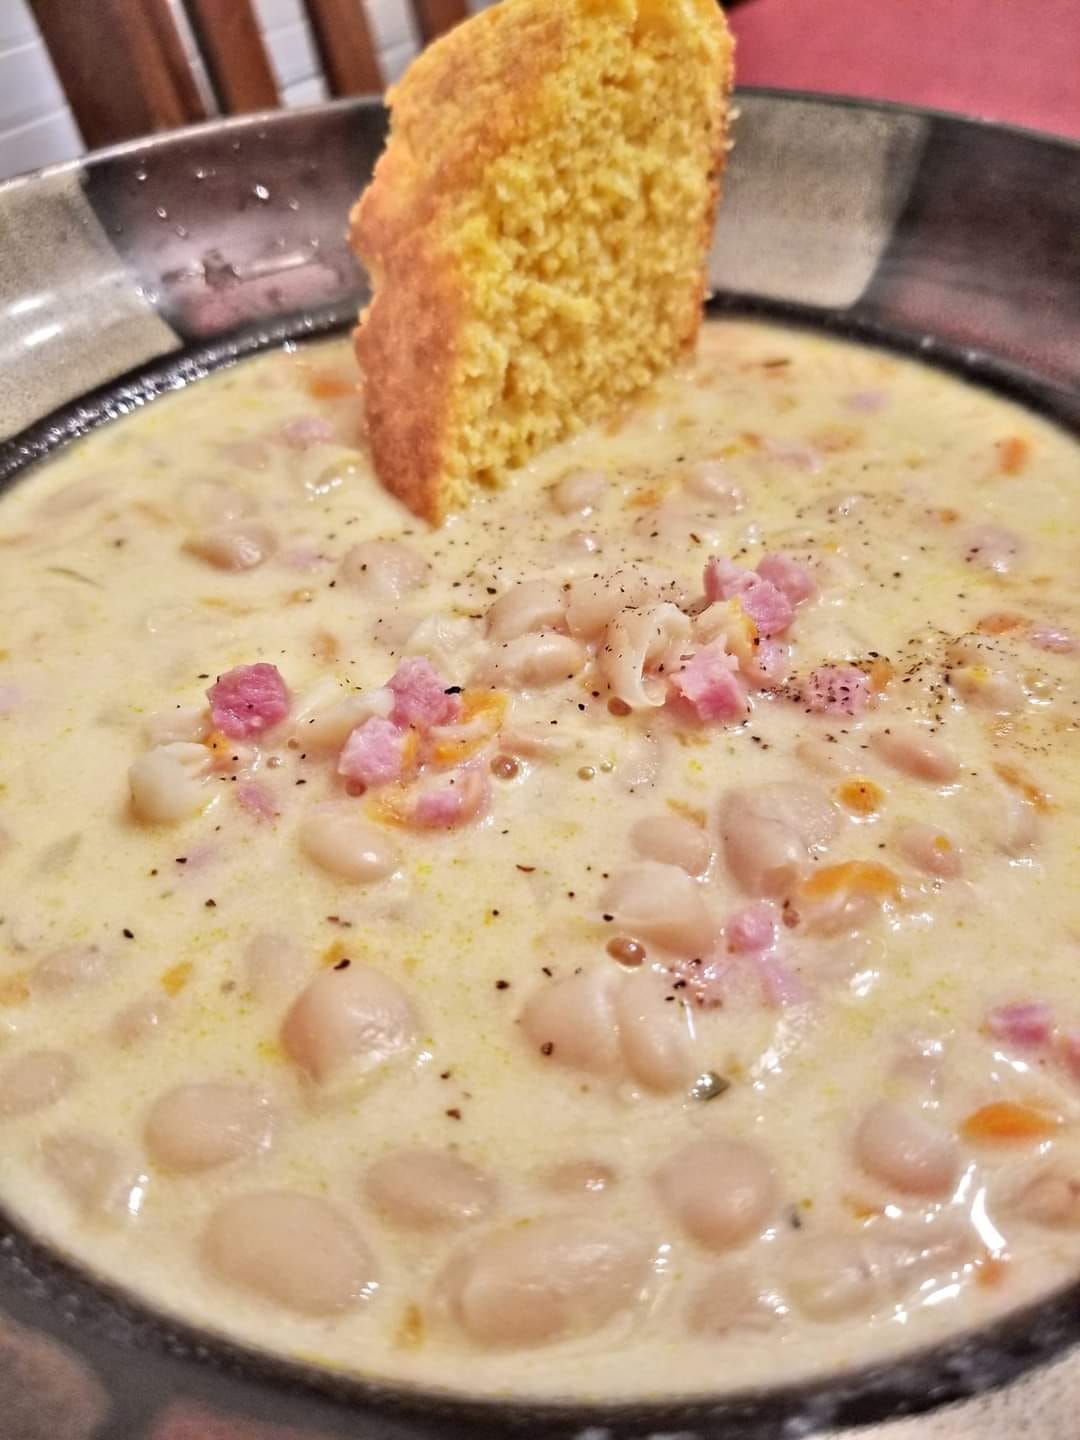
(37, 128)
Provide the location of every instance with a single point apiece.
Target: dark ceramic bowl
(144, 267)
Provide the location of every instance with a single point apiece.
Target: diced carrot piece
(176, 977)
(1000, 622)
(861, 797)
(852, 875)
(1005, 1120)
(990, 1271)
(1013, 454)
(1015, 777)
(14, 990)
(880, 672)
(325, 385)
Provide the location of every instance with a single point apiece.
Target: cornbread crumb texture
(536, 231)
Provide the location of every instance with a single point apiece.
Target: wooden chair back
(131, 67)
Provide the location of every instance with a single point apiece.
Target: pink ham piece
(752, 929)
(866, 402)
(766, 603)
(248, 700)
(1054, 639)
(780, 987)
(257, 800)
(707, 685)
(305, 431)
(1028, 1023)
(1069, 1045)
(836, 690)
(460, 797)
(723, 579)
(768, 607)
(420, 697)
(788, 575)
(374, 753)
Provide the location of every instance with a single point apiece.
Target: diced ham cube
(788, 575)
(723, 579)
(462, 796)
(1055, 639)
(836, 690)
(306, 430)
(248, 700)
(752, 929)
(257, 800)
(374, 753)
(1028, 1023)
(866, 402)
(780, 986)
(708, 685)
(768, 607)
(1069, 1044)
(420, 697)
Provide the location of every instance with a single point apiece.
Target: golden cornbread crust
(536, 232)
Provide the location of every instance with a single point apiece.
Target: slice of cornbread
(536, 231)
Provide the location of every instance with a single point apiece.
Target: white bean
(234, 545)
(198, 1127)
(579, 492)
(72, 968)
(294, 1250)
(710, 480)
(915, 752)
(992, 547)
(595, 600)
(93, 1176)
(769, 833)
(138, 1022)
(327, 716)
(640, 648)
(340, 841)
(929, 850)
(901, 1148)
(1051, 1197)
(653, 1033)
(533, 661)
(386, 569)
(673, 840)
(538, 1282)
(348, 1023)
(831, 1277)
(721, 1191)
(183, 722)
(573, 1023)
(528, 607)
(429, 1189)
(168, 783)
(35, 1080)
(661, 903)
(997, 690)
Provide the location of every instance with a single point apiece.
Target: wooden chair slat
(346, 48)
(228, 34)
(135, 40)
(435, 17)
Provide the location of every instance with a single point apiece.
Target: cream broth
(623, 942)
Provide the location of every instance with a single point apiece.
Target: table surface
(1010, 60)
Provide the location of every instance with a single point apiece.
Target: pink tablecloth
(1013, 60)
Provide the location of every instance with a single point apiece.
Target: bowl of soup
(604, 966)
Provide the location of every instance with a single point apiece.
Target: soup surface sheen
(623, 942)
